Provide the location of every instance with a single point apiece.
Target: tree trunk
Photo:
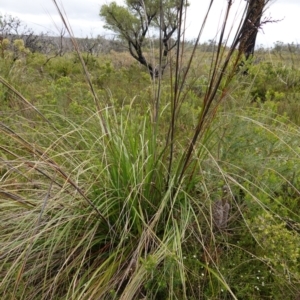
(251, 27)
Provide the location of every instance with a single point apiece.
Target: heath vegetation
(184, 184)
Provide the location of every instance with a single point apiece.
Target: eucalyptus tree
(134, 21)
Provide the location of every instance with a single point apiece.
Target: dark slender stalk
(86, 73)
(176, 91)
(215, 81)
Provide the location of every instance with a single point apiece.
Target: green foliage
(279, 246)
(274, 82)
(129, 21)
(63, 67)
(119, 19)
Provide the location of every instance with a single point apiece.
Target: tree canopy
(133, 21)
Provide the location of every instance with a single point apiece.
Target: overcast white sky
(83, 16)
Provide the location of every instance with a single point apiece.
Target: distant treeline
(12, 28)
